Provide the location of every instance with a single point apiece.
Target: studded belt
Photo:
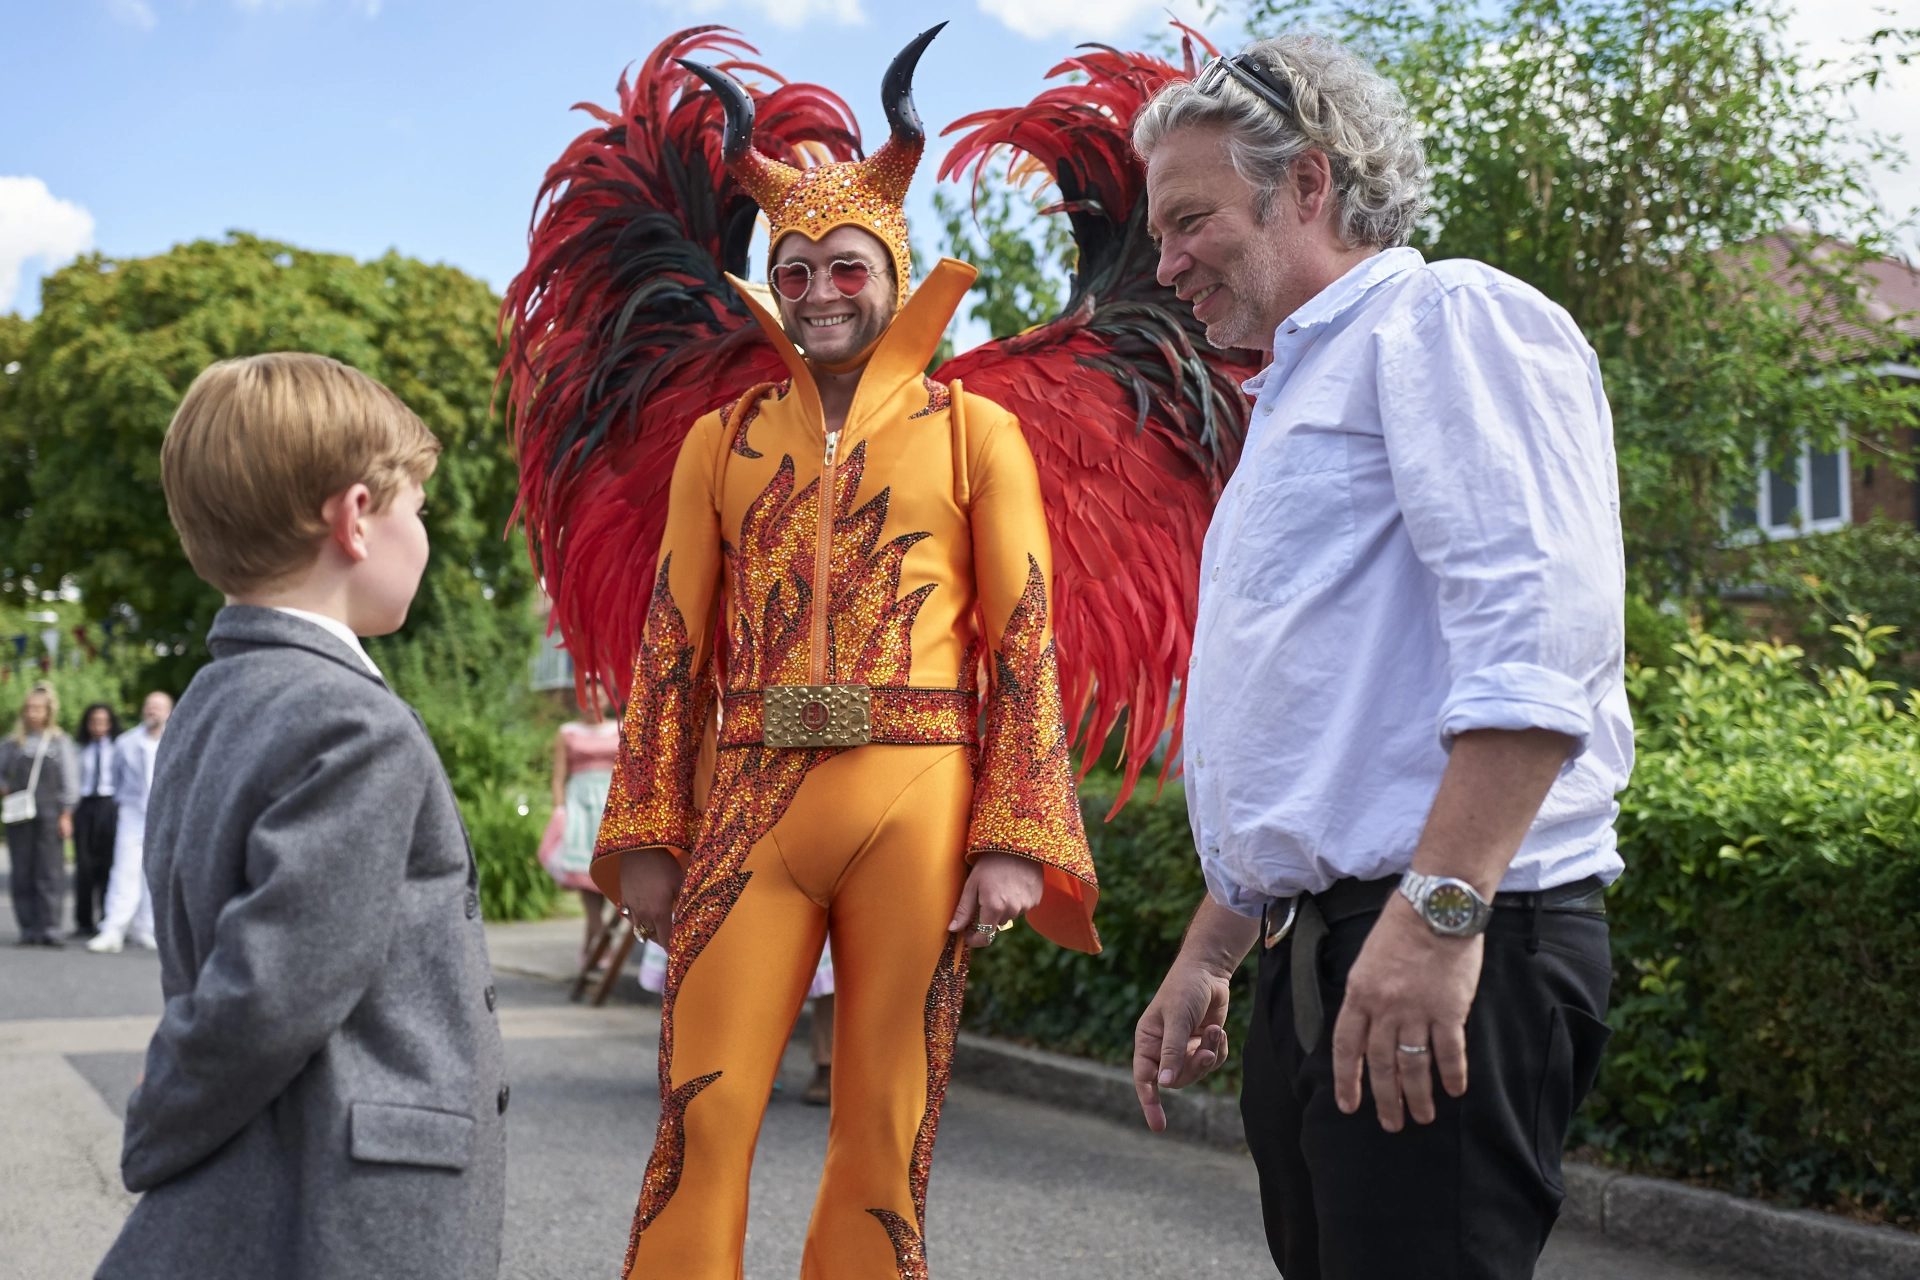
(805, 716)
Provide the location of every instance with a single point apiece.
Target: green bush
(467, 676)
(1767, 930)
(1026, 988)
(505, 828)
(1871, 569)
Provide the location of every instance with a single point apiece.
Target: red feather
(1134, 421)
(622, 331)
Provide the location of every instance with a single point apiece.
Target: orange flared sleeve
(1023, 798)
(651, 801)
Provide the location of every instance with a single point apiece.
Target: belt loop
(1309, 1015)
(1533, 932)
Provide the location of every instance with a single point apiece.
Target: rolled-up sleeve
(1501, 449)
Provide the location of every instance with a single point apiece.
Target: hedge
(1767, 930)
(1766, 934)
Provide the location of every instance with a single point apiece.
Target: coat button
(473, 904)
(506, 1091)
(493, 998)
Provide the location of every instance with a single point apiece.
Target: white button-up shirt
(1422, 538)
(96, 768)
(133, 753)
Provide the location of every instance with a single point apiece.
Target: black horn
(896, 89)
(738, 104)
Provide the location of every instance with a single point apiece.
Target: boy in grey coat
(324, 1096)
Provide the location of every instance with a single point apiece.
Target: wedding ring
(1413, 1048)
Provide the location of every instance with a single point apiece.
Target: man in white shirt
(129, 913)
(1406, 718)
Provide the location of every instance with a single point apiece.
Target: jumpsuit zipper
(823, 563)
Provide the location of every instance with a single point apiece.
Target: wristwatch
(1450, 907)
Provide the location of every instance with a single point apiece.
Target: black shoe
(52, 941)
(82, 935)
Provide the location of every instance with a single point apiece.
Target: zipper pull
(833, 443)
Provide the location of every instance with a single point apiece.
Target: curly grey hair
(1341, 106)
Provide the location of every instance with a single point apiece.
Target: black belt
(1309, 917)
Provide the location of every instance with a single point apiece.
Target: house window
(1807, 494)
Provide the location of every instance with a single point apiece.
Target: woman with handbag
(40, 783)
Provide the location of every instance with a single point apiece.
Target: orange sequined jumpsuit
(934, 563)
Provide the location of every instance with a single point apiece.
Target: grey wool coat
(323, 1099)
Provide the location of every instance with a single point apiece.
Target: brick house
(1821, 491)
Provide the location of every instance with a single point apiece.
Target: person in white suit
(129, 913)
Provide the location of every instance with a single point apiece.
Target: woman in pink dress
(583, 756)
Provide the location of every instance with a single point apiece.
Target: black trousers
(1471, 1196)
(39, 872)
(94, 823)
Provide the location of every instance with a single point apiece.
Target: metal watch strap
(1451, 907)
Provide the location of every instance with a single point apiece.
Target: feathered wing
(1134, 421)
(622, 330)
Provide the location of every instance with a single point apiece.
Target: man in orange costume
(844, 552)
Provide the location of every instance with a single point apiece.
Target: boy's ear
(343, 513)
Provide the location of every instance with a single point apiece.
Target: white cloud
(34, 224)
(786, 13)
(1101, 19)
(135, 13)
(1832, 29)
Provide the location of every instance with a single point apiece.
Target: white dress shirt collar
(338, 630)
(1328, 305)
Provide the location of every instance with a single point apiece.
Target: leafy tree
(89, 387)
(102, 368)
(1023, 257)
(1645, 164)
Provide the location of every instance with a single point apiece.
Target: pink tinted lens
(849, 277)
(792, 279)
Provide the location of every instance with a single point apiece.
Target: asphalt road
(1018, 1189)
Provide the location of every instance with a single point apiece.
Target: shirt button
(473, 904)
(493, 999)
(506, 1092)
(1215, 575)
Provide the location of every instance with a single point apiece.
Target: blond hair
(257, 447)
(40, 689)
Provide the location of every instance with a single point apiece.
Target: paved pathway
(1018, 1189)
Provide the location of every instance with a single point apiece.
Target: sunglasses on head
(1256, 78)
(792, 280)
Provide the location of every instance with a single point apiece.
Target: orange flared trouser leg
(873, 842)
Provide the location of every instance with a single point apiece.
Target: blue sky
(425, 125)
(422, 125)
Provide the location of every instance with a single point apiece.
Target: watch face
(1450, 907)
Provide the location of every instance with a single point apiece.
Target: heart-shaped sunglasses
(792, 280)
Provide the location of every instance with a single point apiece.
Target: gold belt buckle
(816, 715)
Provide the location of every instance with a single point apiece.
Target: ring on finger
(982, 926)
(1414, 1048)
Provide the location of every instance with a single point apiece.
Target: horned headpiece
(869, 193)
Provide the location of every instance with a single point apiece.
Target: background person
(1406, 718)
(129, 913)
(94, 819)
(583, 756)
(38, 757)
